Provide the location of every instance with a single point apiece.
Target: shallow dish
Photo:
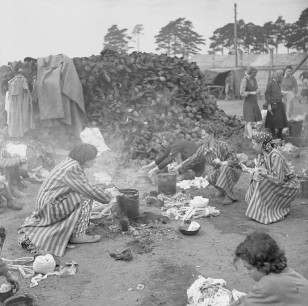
(183, 228)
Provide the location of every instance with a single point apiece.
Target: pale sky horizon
(76, 28)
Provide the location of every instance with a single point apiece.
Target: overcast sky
(39, 28)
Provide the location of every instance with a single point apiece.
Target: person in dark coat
(249, 90)
(276, 117)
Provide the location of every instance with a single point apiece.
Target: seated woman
(178, 150)
(226, 169)
(273, 187)
(266, 263)
(63, 205)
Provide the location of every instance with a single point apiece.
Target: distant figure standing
(249, 90)
(304, 92)
(276, 116)
(228, 87)
(289, 90)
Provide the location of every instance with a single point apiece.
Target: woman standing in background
(304, 93)
(289, 90)
(276, 116)
(249, 90)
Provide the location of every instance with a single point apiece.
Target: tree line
(178, 37)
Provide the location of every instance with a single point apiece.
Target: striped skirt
(53, 238)
(225, 177)
(270, 202)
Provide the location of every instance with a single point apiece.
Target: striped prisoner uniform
(62, 208)
(269, 200)
(224, 177)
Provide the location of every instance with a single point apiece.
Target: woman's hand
(217, 161)
(149, 166)
(257, 176)
(238, 301)
(269, 108)
(153, 171)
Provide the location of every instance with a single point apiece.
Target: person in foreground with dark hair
(276, 283)
(226, 169)
(274, 186)
(63, 206)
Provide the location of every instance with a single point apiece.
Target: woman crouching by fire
(63, 206)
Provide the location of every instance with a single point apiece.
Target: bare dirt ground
(164, 261)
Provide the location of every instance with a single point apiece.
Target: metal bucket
(129, 202)
(166, 183)
(295, 128)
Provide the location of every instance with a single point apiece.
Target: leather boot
(17, 193)
(12, 204)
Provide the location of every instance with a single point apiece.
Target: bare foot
(85, 239)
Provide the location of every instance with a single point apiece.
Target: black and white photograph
(153, 152)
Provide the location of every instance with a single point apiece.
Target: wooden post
(235, 35)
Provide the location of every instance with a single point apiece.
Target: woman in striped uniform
(273, 187)
(63, 205)
(226, 170)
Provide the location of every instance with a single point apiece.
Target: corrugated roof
(207, 61)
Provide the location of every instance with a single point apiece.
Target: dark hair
(251, 70)
(262, 252)
(211, 129)
(287, 67)
(83, 152)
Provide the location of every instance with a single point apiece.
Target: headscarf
(278, 74)
(265, 139)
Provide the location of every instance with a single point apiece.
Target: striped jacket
(269, 200)
(224, 177)
(58, 206)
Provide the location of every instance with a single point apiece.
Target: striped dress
(59, 207)
(269, 200)
(224, 177)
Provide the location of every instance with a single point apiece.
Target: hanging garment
(19, 107)
(59, 92)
